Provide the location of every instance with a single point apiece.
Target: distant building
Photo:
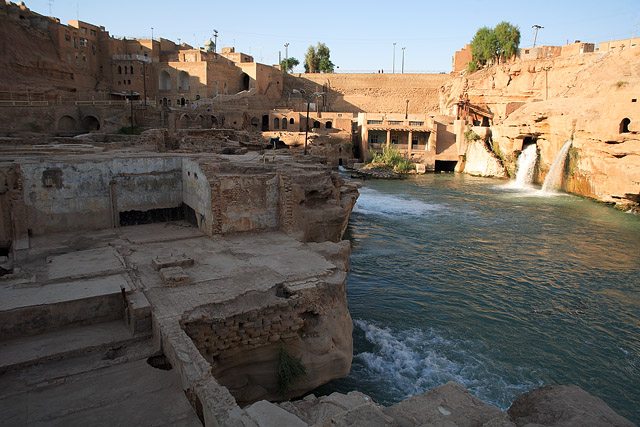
(620, 45)
(539, 52)
(577, 48)
(461, 58)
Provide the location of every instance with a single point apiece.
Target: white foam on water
(412, 361)
(372, 202)
(342, 168)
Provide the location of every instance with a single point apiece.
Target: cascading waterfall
(526, 166)
(553, 179)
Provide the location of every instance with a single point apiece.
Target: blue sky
(360, 34)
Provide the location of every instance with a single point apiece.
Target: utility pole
(393, 68)
(286, 57)
(215, 41)
(152, 33)
(403, 59)
(537, 27)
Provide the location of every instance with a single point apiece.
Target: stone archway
(165, 81)
(183, 80)
(184, 121)
(90, 123)
(67, 124)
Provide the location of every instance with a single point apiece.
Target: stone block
(174, 276)
(159, 263)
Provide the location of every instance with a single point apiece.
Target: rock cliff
(591, 99)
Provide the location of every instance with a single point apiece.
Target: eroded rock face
(590, 99)
(564, 406)
(241, 339)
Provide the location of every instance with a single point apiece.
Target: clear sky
(360, 34)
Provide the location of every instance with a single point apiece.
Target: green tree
(317, 59)
(495, 45)
(287, 64)
(508, 40)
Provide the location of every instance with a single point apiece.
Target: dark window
(276, 123)
(119, 69)
(291, 121)
(624, 125)
(328, 125)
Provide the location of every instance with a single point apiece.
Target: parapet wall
(374, 92)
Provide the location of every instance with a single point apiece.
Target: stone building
(619, 45)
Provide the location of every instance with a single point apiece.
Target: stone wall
(373, 93)
(241, 339)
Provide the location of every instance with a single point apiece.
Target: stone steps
(109, 338)
(28, 308)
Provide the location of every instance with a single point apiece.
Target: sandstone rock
(563, 406)
(480, 161)
(447, 405)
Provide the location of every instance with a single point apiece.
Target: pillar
(388, 138)
(410, 142)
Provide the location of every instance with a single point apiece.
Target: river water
(459, 278)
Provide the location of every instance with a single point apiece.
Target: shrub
(290, 368)
(391, 158)
(621, 83)
(472, 67)
(471, 136)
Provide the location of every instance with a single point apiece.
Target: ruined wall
(242, 338)
(372, 93)
(69, 196)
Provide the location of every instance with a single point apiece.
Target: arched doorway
(265, 122)
(624, 125)
(214, 122)
(165, 81)
(328, 125)
(245, 81)
(284, 123)
(276, 123)
(184, 121)
(200, 121)
(90, 123)
(316, 124)
(67, 124)
(183, 80)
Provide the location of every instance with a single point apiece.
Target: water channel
(498, 287)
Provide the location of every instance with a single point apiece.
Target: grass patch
(391, 158)
(621, 83)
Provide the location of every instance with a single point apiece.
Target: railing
(131, 57)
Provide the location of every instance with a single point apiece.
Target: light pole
(393, 68)
(286, 57)
(215, 41)
(151, 33)
(403, 59)
(537, 27)
(308, 98)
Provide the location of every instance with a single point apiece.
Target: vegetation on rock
(290, 368)
(392, 159)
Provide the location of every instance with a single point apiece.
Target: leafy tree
(497, 44)
(508, 40)
(287, 64)
(317, 59)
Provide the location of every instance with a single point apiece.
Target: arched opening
(131, 70)
(624, 125)
(245, 81)
(340, 161)
(255, 122)
(214, 121)
(265, 123)
(90, 123)
(291, 121)
(67, 124)
(200, 120)
(183, 80)
(119, 69)
(165, 80)
(276, 123)
(284, 123)
(328, 125)
(164, 102)
(182, 102)
(316, 124)
(184, 121)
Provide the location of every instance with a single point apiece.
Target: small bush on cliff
(290, 368)
(472, 67)
(471, 136)
(621, 83)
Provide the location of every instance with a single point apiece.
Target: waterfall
(526, 166)
(554, 177)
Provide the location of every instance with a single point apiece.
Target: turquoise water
(457, 278)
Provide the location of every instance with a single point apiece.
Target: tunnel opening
(446, 165)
